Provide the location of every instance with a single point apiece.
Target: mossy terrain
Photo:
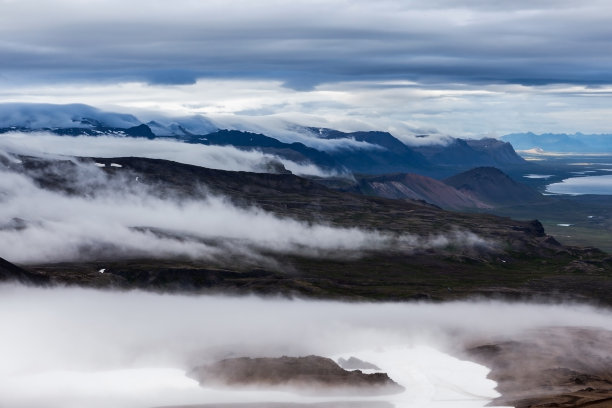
(382, 276)
(573, 220)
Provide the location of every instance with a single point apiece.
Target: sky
(466, 68)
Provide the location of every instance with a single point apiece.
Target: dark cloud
(305, 43)
(171, 77)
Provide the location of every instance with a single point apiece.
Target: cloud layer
(70, 347)
(214, 157)
(304, 43)
(464, 68)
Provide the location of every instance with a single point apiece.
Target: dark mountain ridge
(492, 186)
(387, 154)
(380, 152)
(296, 151)
(462, 153)
(523, 262)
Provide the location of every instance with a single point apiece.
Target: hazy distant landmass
(561, 142)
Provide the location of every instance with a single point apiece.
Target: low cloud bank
(288, 127)
(120, 216)
(214, 157)
(46, 115)
(287, 130)
(85, 340)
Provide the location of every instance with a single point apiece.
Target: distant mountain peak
(140, 131)
(493, 186)
(467, 153)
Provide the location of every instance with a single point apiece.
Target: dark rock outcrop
(140, 131)
(310, 375)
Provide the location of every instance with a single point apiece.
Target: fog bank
(213, 157)
(61, 347)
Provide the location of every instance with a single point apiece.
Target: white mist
(76, 347)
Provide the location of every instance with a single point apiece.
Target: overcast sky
(465, 68)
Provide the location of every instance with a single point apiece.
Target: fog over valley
(132, 349)
(120, 216)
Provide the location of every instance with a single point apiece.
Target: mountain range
(372, 152)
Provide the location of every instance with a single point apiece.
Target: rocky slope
(490, 185)
(482, 188)
(417, 187)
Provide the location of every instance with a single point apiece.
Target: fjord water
(583, 185)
